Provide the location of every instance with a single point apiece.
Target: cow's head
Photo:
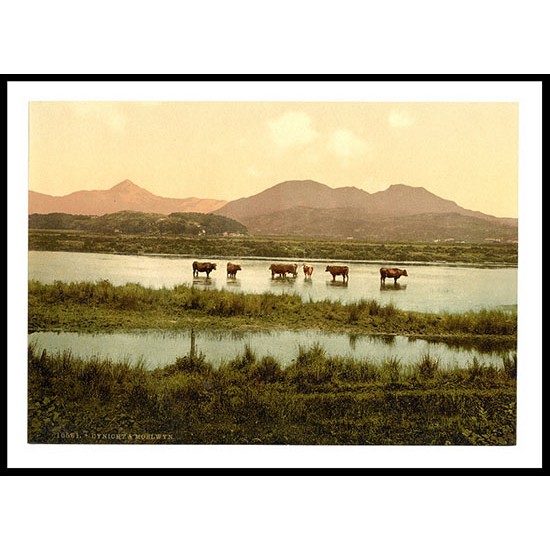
(213, 266)
(237, 267)
(328, 268)
(404, 273)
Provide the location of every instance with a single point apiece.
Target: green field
(276, 247)
(317, 400)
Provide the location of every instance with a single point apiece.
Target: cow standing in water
(283, 269)
(203, 267)
(308, 271)
(232, 270)
(391, 273)
(335, 270)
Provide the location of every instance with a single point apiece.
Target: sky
(465, 152)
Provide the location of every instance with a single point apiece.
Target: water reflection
(337, 284)
(204, 282)
(158, 349)
(283, 281)
(484, 344)
(396, 286)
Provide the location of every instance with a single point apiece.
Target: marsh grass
(257, 246)
(427, 367)
(316, 399)
(89, 306)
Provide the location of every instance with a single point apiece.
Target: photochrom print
(281, 273)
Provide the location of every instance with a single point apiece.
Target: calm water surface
(430, 288)
(157, 348)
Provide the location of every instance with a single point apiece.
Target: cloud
(346, 144)
(400, 119)
(104, 113)
(291, 129)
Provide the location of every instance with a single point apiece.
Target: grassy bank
(101, 306)
(316, 400)
(249, 246)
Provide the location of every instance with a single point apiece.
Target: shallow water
(429, 288)
(156, 348)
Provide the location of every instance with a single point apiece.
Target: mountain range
(311, 209)
(308, 208)
(123, 196)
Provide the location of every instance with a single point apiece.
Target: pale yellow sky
(465, 152)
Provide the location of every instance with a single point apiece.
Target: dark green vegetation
(315, 400)
(101, 306)
(354, 222)
(71, 240)
(139, 223)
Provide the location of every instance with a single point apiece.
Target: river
(160, 348)
(428, 288)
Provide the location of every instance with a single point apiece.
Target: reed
(87, 306)
(317, 399)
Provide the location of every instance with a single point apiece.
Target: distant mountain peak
(127, 185)
(299, 183)
(405, 187)
(302, 207)
(125, 195)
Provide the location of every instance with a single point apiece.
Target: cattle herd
(282, 270)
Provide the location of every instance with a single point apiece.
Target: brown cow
(391, 273)
(283, 269)
(203, 267)
(335, 270)
(308, 270)
(232, 270)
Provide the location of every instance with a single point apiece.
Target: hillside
(127, 222)
(123, 196)
(355, 223)
(397, 200)
(401, 212)
(291, 194)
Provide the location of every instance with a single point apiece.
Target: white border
(526, 454)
